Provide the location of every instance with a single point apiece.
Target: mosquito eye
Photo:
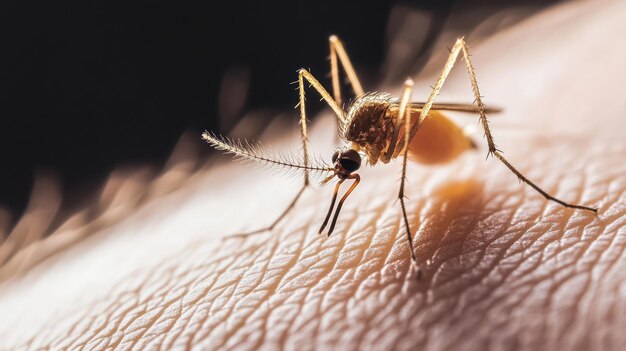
(350, 160)
(335, 156)
(349, 165)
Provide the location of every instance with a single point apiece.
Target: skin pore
(501, 267)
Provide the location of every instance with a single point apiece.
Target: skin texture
(502, 268)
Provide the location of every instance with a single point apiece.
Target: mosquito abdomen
(438, 140)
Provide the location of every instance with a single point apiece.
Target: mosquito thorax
(346, 161)
(370, 123)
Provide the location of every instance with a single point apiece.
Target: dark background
(88, 86)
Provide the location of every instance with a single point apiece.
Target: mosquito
(379, 127)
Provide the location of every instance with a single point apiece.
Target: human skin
(502, 268)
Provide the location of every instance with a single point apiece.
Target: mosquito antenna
(246, 151)
(332, 205)
(357, 179)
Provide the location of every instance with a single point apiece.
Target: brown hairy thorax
(371, 126)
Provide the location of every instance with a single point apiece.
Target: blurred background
(90, 86)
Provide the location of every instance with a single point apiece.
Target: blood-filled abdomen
(438, 140)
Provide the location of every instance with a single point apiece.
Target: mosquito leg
(292, 204)
(339, 55)
(492, 147)
(302, 76)
(405, 113)
(337, 51)
(305, 150)
(461, 47)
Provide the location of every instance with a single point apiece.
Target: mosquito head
(346, 162)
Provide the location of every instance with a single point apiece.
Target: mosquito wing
(470, 108)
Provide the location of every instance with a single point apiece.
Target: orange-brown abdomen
(438, 140)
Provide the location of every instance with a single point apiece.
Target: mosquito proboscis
(380, 127)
